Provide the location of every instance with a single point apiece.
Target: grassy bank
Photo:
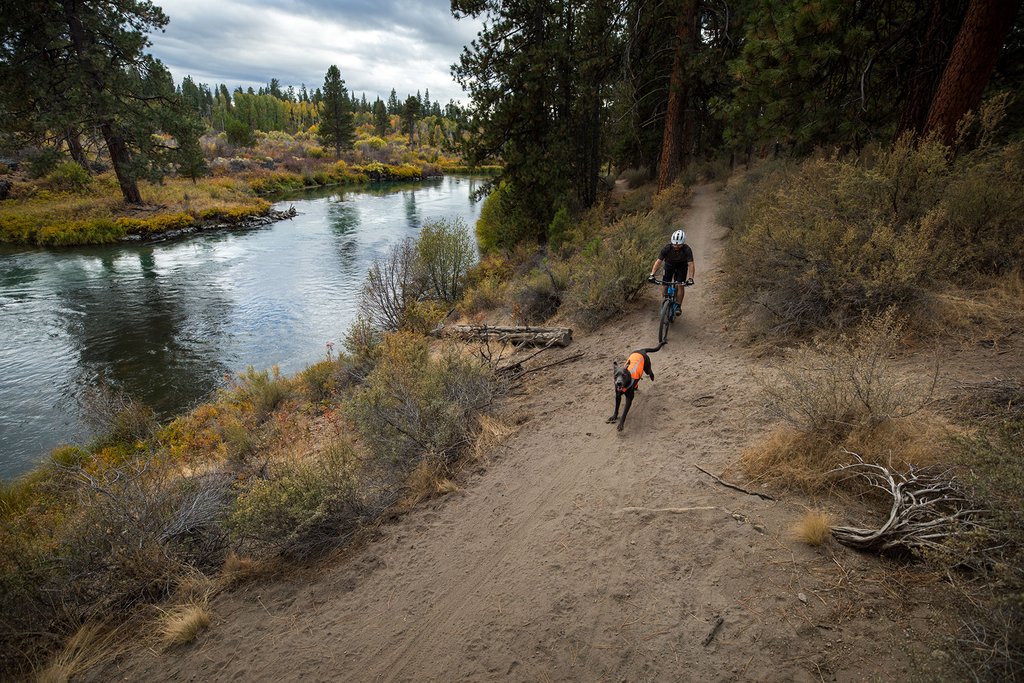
(57, 211)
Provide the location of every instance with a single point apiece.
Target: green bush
(412, 405)
(239, 133)
(611, 271)
(69, 177)
(262, 390)
(559, 228)
(302, 507)
(500, 225)
(444, 253)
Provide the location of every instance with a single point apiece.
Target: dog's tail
(653, 350)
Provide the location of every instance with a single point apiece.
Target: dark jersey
(676, 258)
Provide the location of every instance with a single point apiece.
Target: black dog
(627, 377)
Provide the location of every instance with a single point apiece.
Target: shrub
(843, 394)
(991, 458)
(413, 406)
(444, 253)
(239, 133)
(501, 225)
(536, 297)
(260, 391)
(831, 388)
(635, 177)
(114, 417)
(301, 506)
(829, 242)
(69, 177)
(390, 287)
(558, 229)
(607, 275)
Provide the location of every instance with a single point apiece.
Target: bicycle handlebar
(663, 282)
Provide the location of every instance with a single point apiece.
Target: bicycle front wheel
(664, 321)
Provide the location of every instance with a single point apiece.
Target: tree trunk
(121, 159)
(75, 148)
(672, 137)
(944, 19)
(970, 65)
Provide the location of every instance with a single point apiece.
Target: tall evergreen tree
(394, 106)
(410, 114)
(381, 120)
(538, 100)
(336, 122)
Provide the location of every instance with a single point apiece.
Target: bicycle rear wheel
(665, 320)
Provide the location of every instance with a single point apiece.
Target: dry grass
(814, 528)
(493, 430)
(90, 645)
(993, 312)
(183, 623)
(425, 482)
(237, 569)
(800, 461)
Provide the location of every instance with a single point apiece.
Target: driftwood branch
(762, 496)
(526, 336)
(927, 508)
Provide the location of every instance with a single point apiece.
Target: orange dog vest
(635, 365)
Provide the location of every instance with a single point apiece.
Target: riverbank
(50, 213)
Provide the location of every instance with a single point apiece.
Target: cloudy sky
(408, 45)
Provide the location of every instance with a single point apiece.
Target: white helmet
(679, 237)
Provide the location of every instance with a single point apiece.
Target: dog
(627, 377)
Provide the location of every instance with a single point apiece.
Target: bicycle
(667, 314)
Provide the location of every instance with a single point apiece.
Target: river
(167, 322)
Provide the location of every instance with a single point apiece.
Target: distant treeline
(292, 110)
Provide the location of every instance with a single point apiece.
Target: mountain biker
(678, 258)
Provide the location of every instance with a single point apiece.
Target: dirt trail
(560, 562)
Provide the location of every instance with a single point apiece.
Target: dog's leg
(625, 410)
(618, 399)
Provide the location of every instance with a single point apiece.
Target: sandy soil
(579, 553)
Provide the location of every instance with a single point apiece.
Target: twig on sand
(762, 496)
(714, 631)
(569, 359)
(673, 511)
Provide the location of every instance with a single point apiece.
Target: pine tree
(410, 114)
(78, 66)
(336, 122)
(394, 106)
(381, 120)
(539, 100)
(974, 55)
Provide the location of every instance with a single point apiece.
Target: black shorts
(677, 274)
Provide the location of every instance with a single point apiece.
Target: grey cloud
(245, 43)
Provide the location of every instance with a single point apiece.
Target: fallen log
(525, 336)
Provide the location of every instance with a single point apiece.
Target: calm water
(167, 322)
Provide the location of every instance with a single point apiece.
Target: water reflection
(166, 321)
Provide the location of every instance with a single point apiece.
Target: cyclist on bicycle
(678, 259)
